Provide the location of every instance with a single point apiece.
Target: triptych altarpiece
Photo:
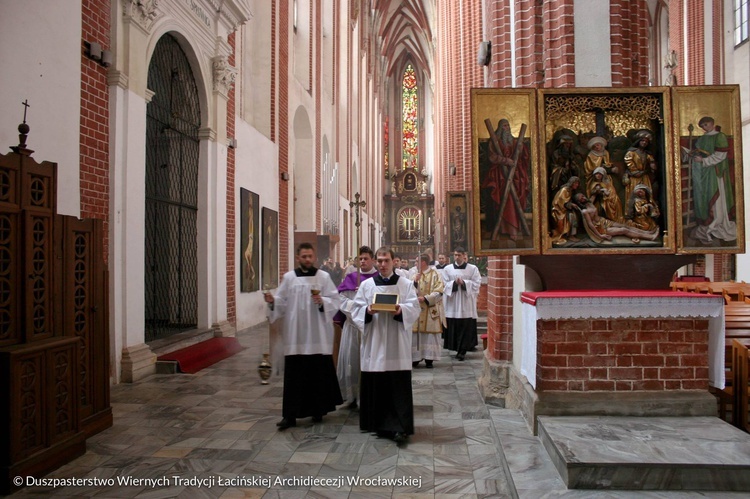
(653, 170)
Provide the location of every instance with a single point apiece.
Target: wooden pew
(732, 290)
(736, 328)
(741, 385)
(690, 286)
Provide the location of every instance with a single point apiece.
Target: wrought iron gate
(172, 151)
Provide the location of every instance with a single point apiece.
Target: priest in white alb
(386, 402)
(306, 302)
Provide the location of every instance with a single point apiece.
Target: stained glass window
(409, 115)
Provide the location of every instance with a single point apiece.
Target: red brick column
(622, 355)
(230, 197)
(280, 109)
(559, 53)
(500, 308)
(94, 128)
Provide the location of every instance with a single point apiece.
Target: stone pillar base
(224, 329)
(138, 361)
(493, 383)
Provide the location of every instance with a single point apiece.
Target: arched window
(409, 117)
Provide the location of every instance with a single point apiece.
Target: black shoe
(460, 356)
(352, 405)
(415, 364)
(317, 419)
(286, 423)
(428, 364)
(399, 438)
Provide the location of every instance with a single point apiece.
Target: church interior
(166, 158)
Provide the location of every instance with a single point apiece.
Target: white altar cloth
(620, 305)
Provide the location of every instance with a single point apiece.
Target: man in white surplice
(306, 300)
(386, 402)
(462, 283)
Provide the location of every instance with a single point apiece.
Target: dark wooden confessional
(54, 337)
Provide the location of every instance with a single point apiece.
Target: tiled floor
(213, 434)
(219, 425)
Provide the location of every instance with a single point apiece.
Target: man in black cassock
(306, 300)
(386, 403)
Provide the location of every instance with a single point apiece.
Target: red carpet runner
(207, 353)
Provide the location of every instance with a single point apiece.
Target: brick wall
(500, 308)
(676, 37)
(622, 355)
(482, 299)
(696, 44)
(559, 53)
(94, 129)
(230, 195)
(629, 37)
(280, 109)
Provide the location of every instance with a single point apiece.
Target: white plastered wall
(40, 53)
(737, 64)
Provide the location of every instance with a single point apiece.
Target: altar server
(462, 283)
(386, 403)
(306, 300)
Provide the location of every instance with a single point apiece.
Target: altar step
(642, 453)
(629, 457)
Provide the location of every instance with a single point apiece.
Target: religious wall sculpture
(653, 170)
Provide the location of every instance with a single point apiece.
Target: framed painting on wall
(270, 253)
(249, 241)
(606, 182)
(709, 177)
(504, 146)
(459, 220)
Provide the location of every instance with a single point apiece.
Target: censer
(264, 370)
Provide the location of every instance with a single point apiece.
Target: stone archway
(171, 211)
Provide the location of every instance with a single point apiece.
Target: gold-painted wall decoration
(505, 135)
(597, 170)
(709, 180)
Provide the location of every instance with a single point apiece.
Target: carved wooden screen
(54, 354)
(38, 204)
(83, 314)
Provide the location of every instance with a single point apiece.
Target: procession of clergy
(379, 344)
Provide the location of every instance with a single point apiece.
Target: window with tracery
(409, 118)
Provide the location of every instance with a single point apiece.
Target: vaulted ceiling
(405, 29)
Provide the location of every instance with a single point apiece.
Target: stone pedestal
(618, 354)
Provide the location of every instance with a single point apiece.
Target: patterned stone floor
(213, 434)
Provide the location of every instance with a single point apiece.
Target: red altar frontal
(621, 352)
